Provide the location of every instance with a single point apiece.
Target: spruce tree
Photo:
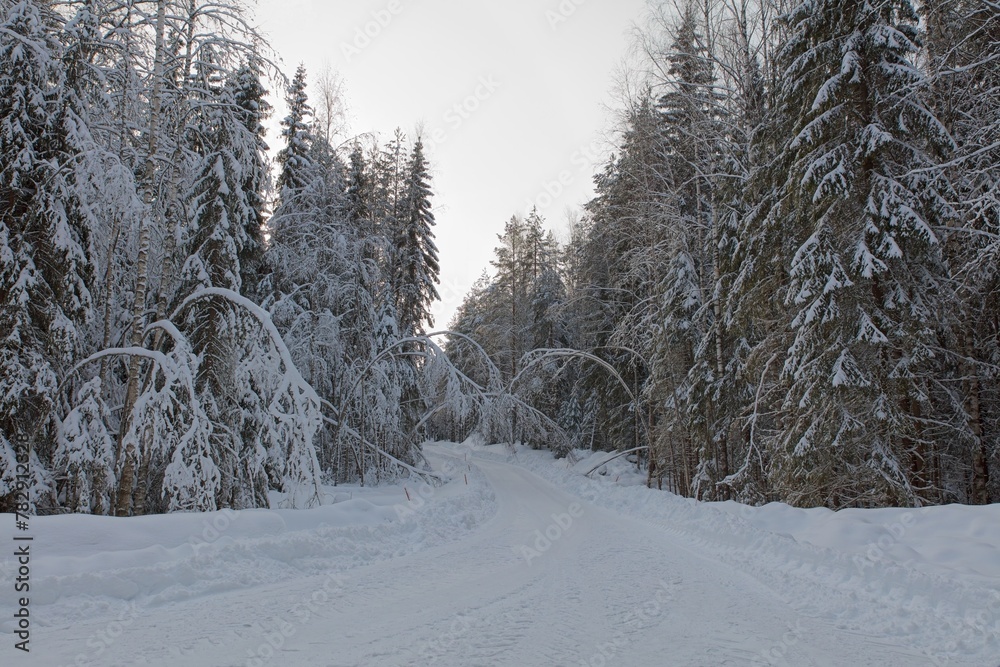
(621, 258)
(296, 132)
(686, 352)
(417, 265)
(86, 452)
(250, 97)
(220, 208)
(847, 233)
(46, 256)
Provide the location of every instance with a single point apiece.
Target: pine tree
(219, 204)
(387, 213)
(511, 314)
(359, 191)
(312, 255)
(510, 284)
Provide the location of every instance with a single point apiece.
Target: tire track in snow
(608, 590)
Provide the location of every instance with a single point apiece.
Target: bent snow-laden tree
(177, 417)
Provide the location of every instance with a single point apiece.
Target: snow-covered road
(550, 579)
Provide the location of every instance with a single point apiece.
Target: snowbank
(953, 539)
(929, 577)
(926, 579)
(83, 565)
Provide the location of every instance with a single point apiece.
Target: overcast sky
(512, 96)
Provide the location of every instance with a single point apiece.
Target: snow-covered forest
(784, 289)
(791, 261)
(177, 332)
(740, 406)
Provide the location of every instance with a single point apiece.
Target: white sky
(544, 77)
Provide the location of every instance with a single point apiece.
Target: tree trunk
(980, 460)
(142, 270)
(168, 267)
(720, 364)
(123, 501)
(918, 454)
(108, 290)
(142, 480)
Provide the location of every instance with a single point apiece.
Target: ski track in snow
(467, 581)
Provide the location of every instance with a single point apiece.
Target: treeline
(176, 333)
(791, 261)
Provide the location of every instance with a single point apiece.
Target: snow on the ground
(519, 560)
(929, 576)
(950, 540)
(83, 565)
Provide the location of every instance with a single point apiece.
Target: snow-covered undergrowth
(930, 578)
(88, 565)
